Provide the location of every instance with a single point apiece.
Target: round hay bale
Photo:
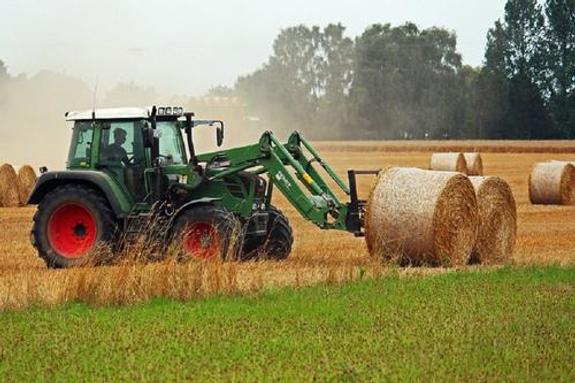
(474, 164)
(26, 182)
(497, 221)
(451, 162)
(8, 187)
(552, 183)
(419, 217)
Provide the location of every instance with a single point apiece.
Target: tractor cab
(140, 148)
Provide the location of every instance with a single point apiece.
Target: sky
(185, 47)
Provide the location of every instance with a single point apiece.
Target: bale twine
(26, 182)
(8, 187)
(451, 162)
(474, 164)
(552, 183)
(497, 221)
(419, 217)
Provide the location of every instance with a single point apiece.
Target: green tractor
(131, 167)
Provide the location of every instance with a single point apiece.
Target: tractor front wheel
(205, 232)
(68, 224)
(276, 244)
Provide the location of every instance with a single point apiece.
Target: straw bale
(552, 183)
(497, 221)
(474, 164)
(26, 182)
(8, 186)
(419, 217)
(451, 162)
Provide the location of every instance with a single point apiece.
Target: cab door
(122, 155)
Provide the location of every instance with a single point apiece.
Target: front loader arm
(318, 203)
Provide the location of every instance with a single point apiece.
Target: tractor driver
(115, 152)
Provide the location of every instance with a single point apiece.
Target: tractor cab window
(171, 144)
(122, 154)
(81, 146)
(117, 144)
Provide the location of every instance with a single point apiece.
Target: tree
(468, 112)
(560, 39)
(305, 82)
(405, 82)
(515, 72)
(492, 86)
(336, 62)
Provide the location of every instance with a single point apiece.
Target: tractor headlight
(168, 110)
(161, 110)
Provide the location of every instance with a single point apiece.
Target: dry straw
(26, 182)
(8, 187)
(552, 183)
(419, 217)
(498, 221)
(474, 164)
(451, 162)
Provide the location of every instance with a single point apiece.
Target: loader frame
(316, 201)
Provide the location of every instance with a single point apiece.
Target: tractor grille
(235, 187)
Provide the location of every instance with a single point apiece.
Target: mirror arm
(189, 126)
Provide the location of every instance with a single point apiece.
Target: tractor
(130, 167)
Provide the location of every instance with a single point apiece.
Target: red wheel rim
(72, 230)
(202, 240)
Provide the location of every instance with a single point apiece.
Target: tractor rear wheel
(205, 232)
(276, 244)
(69, 222)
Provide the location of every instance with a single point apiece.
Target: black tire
(50, 221)
(194, 233)
(276, 244)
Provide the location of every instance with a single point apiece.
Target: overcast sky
(185, 47)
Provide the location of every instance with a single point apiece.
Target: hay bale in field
(474, 164)
(8, 187)
(26, 181)
(421, 217)
(451, 162)
(497, 221)
(552, 183)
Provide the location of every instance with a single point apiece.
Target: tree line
(403, 82)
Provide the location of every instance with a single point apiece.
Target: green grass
(514, 324)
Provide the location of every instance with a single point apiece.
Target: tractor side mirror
(220, 134)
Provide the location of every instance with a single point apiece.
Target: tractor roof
(109, 114)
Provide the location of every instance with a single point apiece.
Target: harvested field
(545, 236)
(487, 146)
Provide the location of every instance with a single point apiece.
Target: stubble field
(546, 235)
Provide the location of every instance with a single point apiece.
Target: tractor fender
(189, 205)
(100, 181)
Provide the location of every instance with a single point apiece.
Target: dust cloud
(33, 129)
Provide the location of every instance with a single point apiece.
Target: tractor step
(257, 224)
(136, 224)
